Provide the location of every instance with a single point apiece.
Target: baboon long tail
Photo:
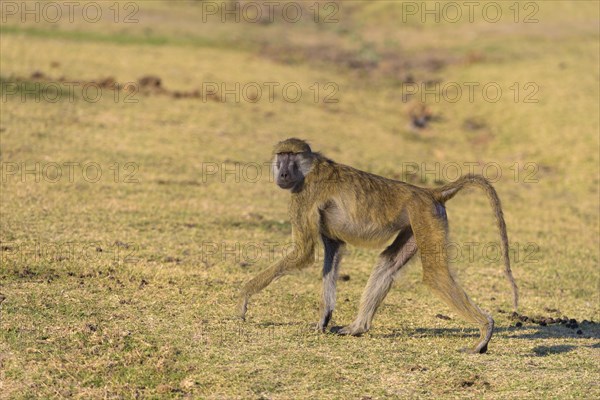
(448, 191)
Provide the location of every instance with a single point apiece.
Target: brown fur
(338, 204)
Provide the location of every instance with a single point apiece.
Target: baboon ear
(304, 161)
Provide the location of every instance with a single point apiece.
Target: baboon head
(293, 160)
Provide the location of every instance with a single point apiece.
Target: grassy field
(119, 275)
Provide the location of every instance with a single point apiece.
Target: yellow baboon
(338, 204)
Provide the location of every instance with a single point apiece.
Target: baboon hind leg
(430, 232)
(390, 262)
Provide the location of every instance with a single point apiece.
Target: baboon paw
(322, 324)
(479, 349)
(243, 308)
(347, 330)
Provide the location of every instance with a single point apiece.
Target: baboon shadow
(543, 351)
(589, 331)
(267, 324)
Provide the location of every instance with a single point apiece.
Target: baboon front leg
(380, 281)
(292, 261)
(255, 285)
(430, 231)
(331, 262)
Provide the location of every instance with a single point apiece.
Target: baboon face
(290, 169)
